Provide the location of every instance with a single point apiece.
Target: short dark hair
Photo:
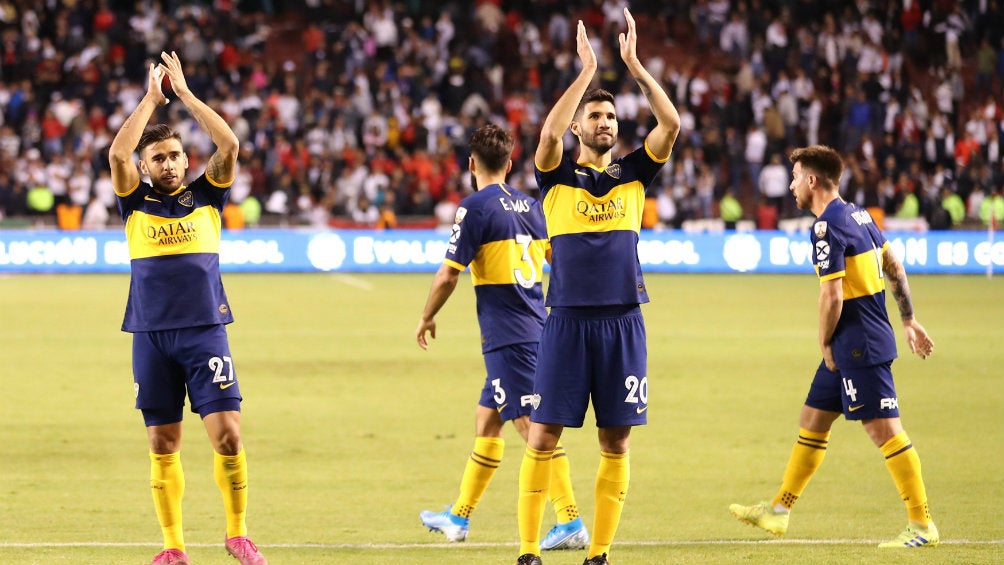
(823, 160)
(593, 95)
(156, 133)
(492, 147)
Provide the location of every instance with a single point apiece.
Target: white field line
(353, 281)
(961, 542)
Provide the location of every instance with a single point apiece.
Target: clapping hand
(584, 48)
(172, 68)
(629, 41)
(153, 88)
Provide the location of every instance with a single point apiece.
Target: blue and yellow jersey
(593, 219)
(848, 245)
(500, 233)
(174, 247)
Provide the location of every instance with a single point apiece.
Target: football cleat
(245, 551)
(528, 559)
(762, 515)
(915, 536)
(170, 557)
(598, 560)
(570, 535)
(452, 526)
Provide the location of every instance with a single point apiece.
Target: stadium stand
(338, 101)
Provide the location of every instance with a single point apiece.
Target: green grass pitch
(351, 429)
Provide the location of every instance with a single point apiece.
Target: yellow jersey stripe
(497, 262)
(831, 276)
(863, 276)
(218, 184)
(130, 191)
(574, 210)
(156, 236)
(549, 169)
(654, 158)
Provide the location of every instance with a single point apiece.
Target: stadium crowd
(358, 113)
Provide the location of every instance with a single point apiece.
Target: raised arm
(916, 336)
(220, 168)
(550, 147)
(661, 139)
(125, 174)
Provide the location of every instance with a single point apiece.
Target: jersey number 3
(524, 242)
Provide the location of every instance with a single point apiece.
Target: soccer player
(855, 264)
(177, 309)
(500, 233)
(593, 343)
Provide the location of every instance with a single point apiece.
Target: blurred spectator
(233, 216)
(666, 207)
(766, 215)
(966, 148)
(730, 210)
(756, 150)
(907, 203)
(734, 38)
(953, 206)
(68, 215)
(388, 218)
(704, 188)
(650, 213)
(364, 212)
(773, 183)
(974, 203)
(446, 209)
(992, 209)
(96, 215)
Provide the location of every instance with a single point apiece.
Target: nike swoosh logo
(228, 385)
(501, 408)
(854, 408)
(641, 409)
(581, 172)
(151, 199)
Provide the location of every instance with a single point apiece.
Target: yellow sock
(534, 482)
(231, 474)
(167, 483)
(904, 465)
(560, 494)
(806, 456)
(612, 480)
(481, 467)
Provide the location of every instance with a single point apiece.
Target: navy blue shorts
(509, 385)
(863, 393)
(597, 353)
(168, 363)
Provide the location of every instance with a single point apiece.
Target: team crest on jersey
(461, 212)
(535, 401)
(614, 171)
(186, 199)
(820, 229)
(224, 309)
(822, 250)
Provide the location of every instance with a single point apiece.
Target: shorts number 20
(637, 389)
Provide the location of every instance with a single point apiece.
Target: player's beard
(801, 203)
(159, 186)
(591, 141)
(474, 183)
